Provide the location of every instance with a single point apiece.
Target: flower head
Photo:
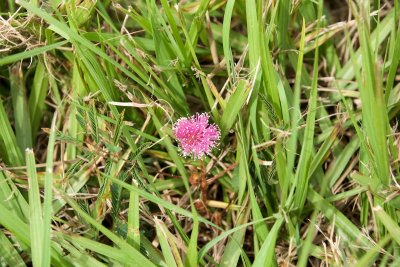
(195, 135)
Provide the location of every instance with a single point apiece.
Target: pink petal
(195, 136)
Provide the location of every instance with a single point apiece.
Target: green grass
(306, 94)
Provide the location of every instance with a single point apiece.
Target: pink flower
(195, 136)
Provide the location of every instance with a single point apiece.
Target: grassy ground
(305, 94)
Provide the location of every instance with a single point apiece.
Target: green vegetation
(306, 94)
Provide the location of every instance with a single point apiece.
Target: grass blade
(36, 215)
(48, 196)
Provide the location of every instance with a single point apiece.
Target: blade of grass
(48, 197)
(233, 248)
(30, 53)
(133, 235)
(266, 256)
(36, 215)
(23, 129)
(234, 105)
(37, 97)
(395, 59)
(271, 80)
(167, 244)
(191, 253)
(391, 225)
(302, 175)
(374, 118)
(226, 29)
(291, 148)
